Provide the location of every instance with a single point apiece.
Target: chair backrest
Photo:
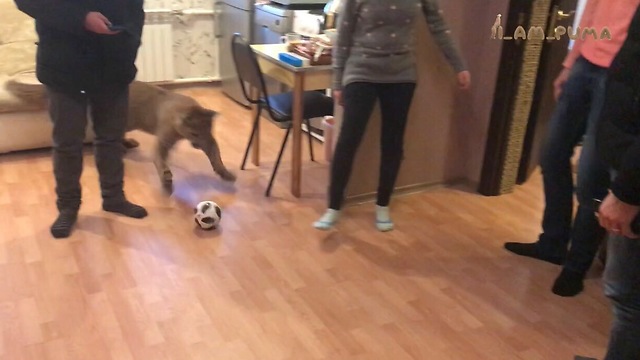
(247, 68)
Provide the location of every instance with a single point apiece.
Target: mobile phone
(596, 204)
(117, 27)
(635, 224)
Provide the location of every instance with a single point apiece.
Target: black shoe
(569, 283)
(126, 208)
(531, 250)
(63, 225)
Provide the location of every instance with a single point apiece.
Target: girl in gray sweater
(374, 60)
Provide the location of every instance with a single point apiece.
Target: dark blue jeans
(574, 119)
(622, 286)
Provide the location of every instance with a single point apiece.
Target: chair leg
(275, 169)
(253, 135)
(310, 138)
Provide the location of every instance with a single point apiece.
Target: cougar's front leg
(213, 153)
(162, 154)
(130, 143)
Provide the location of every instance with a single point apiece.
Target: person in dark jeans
(574, 120)
(618, 142)
(87, 66)
(373, 61)
(580, 93)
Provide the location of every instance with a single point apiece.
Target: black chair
(278, 106)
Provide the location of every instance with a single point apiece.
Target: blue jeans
(622, 286)
(574, 119)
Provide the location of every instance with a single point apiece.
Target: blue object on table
(291, 59)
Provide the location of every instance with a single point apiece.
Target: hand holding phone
(634, 224)
(98, 23)
(117, 28)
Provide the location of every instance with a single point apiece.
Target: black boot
(126, 208)
(63, 225)
(569, 283)
(532, 250)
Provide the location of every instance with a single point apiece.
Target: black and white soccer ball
(207, 215)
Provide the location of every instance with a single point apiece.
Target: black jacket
(618, 137)
(71, 58)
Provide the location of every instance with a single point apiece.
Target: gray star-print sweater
(375, 41)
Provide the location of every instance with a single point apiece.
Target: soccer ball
(207, 215)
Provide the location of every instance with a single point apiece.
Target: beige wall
(447, 128)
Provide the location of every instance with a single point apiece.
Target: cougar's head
(196, 126)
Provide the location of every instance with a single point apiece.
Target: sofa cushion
(17, 40)
(17, 57)
(15, 25)
(19, 90)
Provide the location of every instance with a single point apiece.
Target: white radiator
(155, 57)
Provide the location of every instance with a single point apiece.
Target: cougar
(171, 117)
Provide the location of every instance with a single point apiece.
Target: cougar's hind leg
(164, 173)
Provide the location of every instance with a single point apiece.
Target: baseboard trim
(188, 82)
(411, 190)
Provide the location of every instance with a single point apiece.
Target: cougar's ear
(198, 112)
(208, 113)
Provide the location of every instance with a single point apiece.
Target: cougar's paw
(130, 143)
(167, 186)
(167, 181)
(228, 176)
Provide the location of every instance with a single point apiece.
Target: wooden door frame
(543, 101)
(513, 97)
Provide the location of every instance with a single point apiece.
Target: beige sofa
(24, 121)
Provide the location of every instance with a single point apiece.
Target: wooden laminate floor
(266, 285)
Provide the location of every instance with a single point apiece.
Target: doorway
(544, 102)
(524, 99)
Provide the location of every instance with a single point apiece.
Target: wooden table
(299, 79)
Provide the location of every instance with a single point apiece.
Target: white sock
(383, 219)
(327, 220)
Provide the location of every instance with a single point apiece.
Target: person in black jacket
(618, 142)
(85, 63)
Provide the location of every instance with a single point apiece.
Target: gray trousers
(69, 114)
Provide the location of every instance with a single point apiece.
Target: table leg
(296, 158)
(255, 158)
